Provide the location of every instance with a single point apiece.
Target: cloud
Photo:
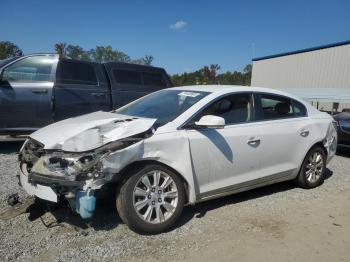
(178, 25)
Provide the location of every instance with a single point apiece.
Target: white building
(320, 74)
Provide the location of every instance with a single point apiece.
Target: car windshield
(163, 105)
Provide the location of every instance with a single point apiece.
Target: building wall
(325, 68)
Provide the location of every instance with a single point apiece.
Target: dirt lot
(275, 223)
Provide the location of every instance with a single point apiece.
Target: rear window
(278, 107)
(69, 72)
(127, 77)
(298, 108)
(153, 79)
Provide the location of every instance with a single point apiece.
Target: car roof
(218, 90)
(136, 67)
(231, 88)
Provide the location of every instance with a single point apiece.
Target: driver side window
(235, 109)
(30, 69)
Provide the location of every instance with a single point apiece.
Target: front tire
(313, 169)
(151, 200)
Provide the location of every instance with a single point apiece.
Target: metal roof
(303, 50)
(340, 95)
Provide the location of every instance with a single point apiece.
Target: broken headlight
(67, 165)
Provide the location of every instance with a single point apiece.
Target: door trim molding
(245, 186)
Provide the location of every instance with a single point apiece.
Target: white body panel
(220, 156)
(214, 162)
(90, 131)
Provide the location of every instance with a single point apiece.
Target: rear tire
(313, 169)
(151, 199)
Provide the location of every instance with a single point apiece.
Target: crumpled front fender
(330, 142)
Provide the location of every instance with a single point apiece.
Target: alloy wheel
(155, 197)
(314, 167)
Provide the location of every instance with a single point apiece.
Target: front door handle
(253, 141)
(304, 132)
(98, 94)
(40, 91)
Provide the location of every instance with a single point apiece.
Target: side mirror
(211, 121)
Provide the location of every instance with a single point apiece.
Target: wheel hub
(314, 167)
(155, 197)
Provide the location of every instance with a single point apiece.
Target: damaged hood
(90, 131)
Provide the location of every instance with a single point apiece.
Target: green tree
(209, 75)
(86, 56)
(100, 54)
(9, 49)
(248, 69)
(74, 52)
(147, 60)
(247, 74)
(60, 49)
(104, 54)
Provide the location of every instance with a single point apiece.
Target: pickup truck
(39, 89)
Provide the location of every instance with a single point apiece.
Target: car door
(285, 130)
(80, 88)
(130, 82)
(126, 86)
(227, 158)
(26, 93)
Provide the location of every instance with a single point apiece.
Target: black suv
(343, 128)
(39, 89)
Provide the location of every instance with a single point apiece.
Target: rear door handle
(40, 91)
(304, 132)
(98, 94)
(253, 141)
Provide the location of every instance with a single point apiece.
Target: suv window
(277, 107)
(6, 61)
(237, 108)
(30, 69)
(71, 72)
(127, 77)
(153, 79)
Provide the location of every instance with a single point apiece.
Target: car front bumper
(40, 191)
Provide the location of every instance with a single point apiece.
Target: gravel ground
(279, 222)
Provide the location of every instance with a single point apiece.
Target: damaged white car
(178, 146)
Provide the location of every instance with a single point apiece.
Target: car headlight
(67, 165)
(73, 164)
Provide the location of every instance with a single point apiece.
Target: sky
(182, 35)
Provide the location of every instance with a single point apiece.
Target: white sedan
(178, 146)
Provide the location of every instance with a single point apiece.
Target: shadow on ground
(106, 217)
(201, 209)
(11, 147)
(344, 152)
